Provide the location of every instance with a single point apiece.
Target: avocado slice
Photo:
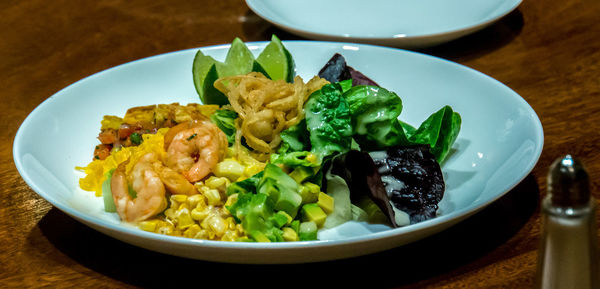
(307, 231)
(326, 202)
(281, 188)
(309, 192)
(312, 212)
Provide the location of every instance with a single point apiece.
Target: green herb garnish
(135, 138)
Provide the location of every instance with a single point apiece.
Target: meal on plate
(270, 157)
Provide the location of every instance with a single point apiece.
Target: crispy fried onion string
(266, 107)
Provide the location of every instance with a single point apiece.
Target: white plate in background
(499, 143)
(398, 23)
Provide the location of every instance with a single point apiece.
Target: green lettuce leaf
(328, 121)
(295, 138)
(439, 131)
(375, 115)
(225, 120)
(375, 112)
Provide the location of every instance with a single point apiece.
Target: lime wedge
(206, 70)
(200, 68)
(277, 61)
(211, 95)
(256, 67)
(238, 61)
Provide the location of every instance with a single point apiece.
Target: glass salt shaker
(568, 255)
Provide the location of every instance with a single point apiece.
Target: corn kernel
(210, 235)
(193, 200)
(230, 223)
(184, 219)
(165, 228)
(231, 200)
(192, 231)
(217, 225)
(202, 234)
(312, 158)
(183, 206)
(251, 170)
(202, 204)
(289, 234)
(178, 199)
(199, 214)
(240, 229)
(149, 226)
(229, 236)
(213, 197)
(170, 213)
(218, 183)
(230, 169)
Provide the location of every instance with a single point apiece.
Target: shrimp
(194, 148)
(150, 191)
(173, 181)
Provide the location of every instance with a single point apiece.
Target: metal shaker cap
(568, 183)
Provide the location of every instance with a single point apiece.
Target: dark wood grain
(547, 51)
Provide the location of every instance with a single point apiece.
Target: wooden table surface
(547, 51)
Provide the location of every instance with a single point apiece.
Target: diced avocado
(258, 210)
(312, 212)
(295, 224)
(300, 174)
(239, 209)
(289, 234)
(289, 218)
(307, 231)
(309, 192)
(254, 223)
(243, 239)
(273, 173)
(274, 234)
(281, 188)
(262, 206)
(289, 202)
(325, 202)
(259, 218)
(279, 219)
(270, 188)
(258, 236)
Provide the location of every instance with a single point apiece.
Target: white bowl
(500, 142)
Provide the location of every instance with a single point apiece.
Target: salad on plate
(266, 156)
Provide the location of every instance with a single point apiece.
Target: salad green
(346, 115)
